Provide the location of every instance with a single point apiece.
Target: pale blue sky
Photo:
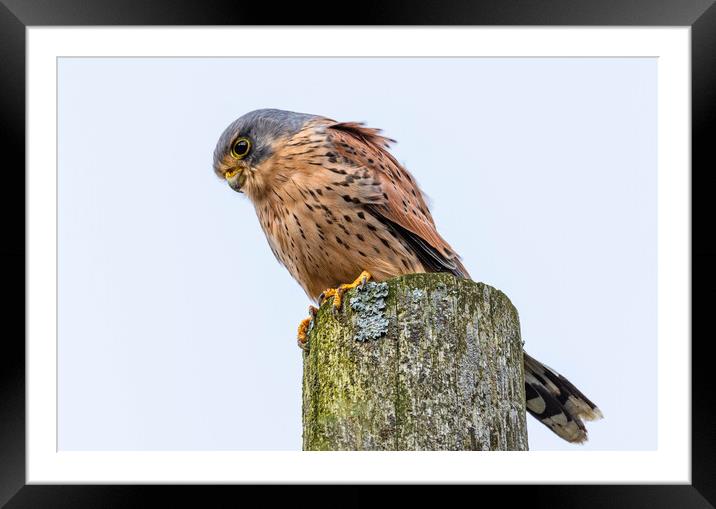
(541, 172)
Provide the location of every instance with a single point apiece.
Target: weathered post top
(419, 362)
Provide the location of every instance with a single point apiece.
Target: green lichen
(368, 304)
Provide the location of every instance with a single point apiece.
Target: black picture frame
(16, 15)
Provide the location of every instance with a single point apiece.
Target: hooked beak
(236, 178)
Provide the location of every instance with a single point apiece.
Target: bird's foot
(337, 293)
(304, 327)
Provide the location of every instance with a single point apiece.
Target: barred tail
(557, 403)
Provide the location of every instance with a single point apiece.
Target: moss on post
(420, 362)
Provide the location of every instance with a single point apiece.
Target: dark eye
(241, 148)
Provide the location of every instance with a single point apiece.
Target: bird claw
(305, 327)
(337, 293)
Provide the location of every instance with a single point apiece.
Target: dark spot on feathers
(348, 218)
(361, 215)
(539, 377)
(530, 392)
(562, 397)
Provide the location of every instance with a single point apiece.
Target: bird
(338, 209)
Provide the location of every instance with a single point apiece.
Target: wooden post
(420, 362)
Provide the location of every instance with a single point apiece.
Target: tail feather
(556, 402)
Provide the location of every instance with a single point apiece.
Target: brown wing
(403, 204)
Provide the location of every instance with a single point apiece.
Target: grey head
(262, 127)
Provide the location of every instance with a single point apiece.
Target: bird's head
(243, 153)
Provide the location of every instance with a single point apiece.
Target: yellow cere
(231, 173)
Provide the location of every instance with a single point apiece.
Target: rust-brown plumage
(333, 202)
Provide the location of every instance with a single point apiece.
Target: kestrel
(337, 207)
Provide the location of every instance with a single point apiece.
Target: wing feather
(402, 205)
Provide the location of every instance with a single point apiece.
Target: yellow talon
(304, 326)
(337, 293)
(303, 329)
